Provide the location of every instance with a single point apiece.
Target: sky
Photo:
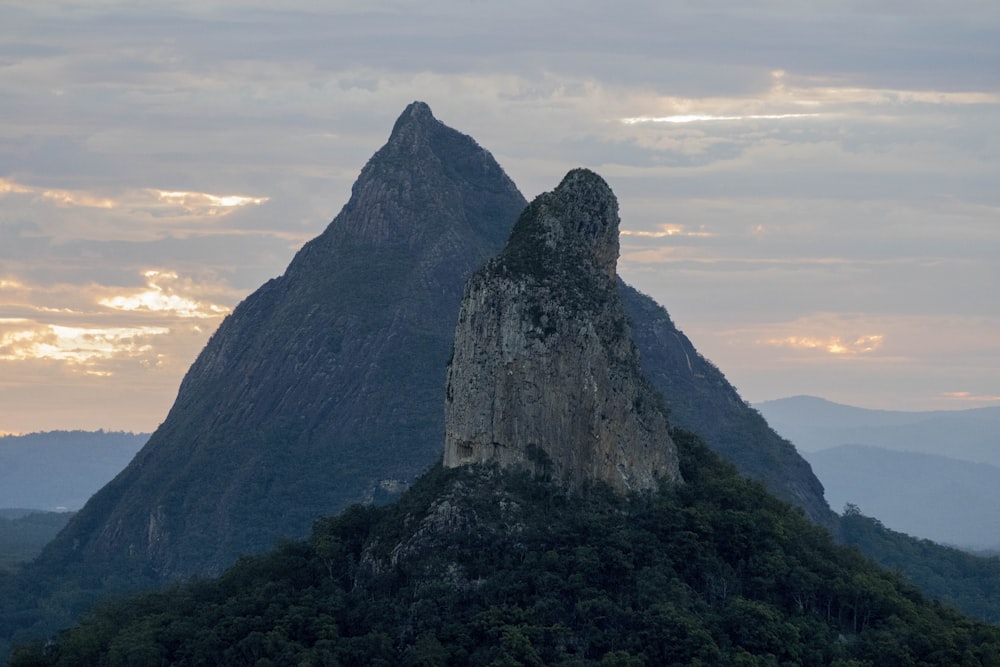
(812, 190)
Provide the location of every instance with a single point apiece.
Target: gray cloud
(851, 192)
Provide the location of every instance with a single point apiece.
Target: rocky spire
(544, 373)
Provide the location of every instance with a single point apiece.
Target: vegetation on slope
(23, 533)
(477, 566)
(971, 583)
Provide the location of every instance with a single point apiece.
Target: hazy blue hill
(60, 470)
(934, 497)
(813, 424)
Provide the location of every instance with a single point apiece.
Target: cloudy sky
(811, 189)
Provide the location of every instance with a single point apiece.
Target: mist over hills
(60, 470)
(934, 497)
(814, 424)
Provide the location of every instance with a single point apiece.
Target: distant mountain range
(813, 424)
(946, 500)
(59, 471)
(934, 475)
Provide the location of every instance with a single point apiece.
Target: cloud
(667, 230)
(781, 170)
(160, 297)
(970, 397)
(81, 349)
(829, 344)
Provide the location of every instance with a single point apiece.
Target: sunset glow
(696, 118)
(158, 298)
(77, 345)
(831, 344)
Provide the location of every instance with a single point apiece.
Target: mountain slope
(701, 400)
(313, 393)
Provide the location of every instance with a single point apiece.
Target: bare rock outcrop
(544, 373)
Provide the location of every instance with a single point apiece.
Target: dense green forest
(479, 566)
(969, 582)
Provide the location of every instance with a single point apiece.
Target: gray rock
(544, 373)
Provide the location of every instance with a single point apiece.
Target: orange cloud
(969, 397)
(160, 295)
(831, 344)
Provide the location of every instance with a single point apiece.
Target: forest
(481, 566)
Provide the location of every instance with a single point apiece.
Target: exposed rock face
(544, 373)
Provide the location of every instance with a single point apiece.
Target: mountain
(544, 372)
(814, 424)
(924, 495)
(60, 470)
(314, 393)
(323, 387)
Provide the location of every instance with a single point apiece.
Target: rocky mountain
(323, 387)
(544, 373)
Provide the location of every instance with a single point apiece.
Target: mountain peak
(574, 227)
(544, 374)
(414, 126)
(416, 111)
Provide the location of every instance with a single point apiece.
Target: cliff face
(544, 373)
(323, 388)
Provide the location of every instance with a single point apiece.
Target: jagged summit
(575, 223)
(414, 189)
(417, 116)
(544, 373)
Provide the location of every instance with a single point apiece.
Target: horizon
(817, 214)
